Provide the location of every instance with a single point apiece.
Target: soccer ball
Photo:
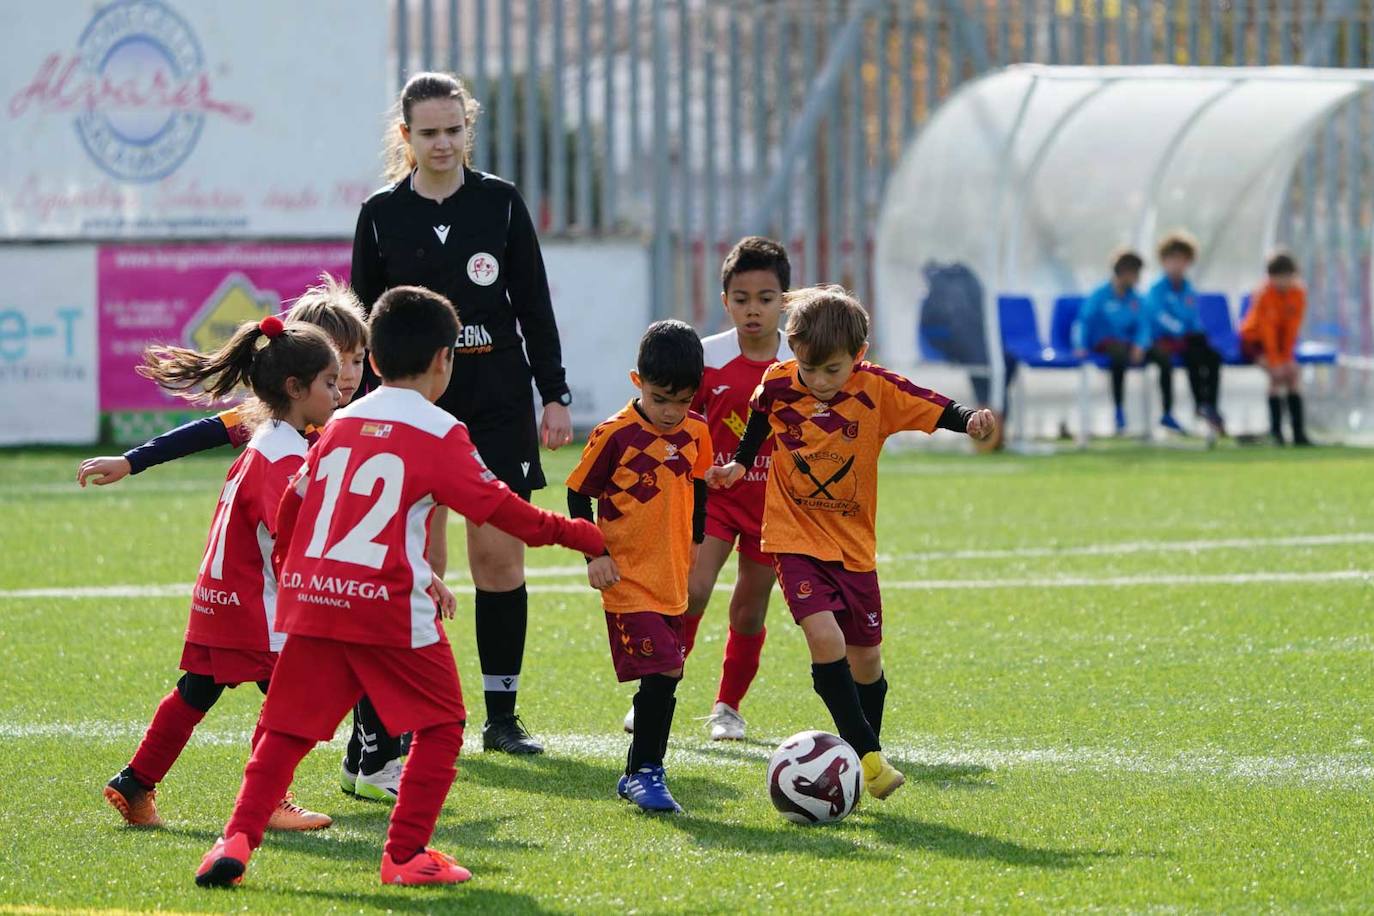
(815, 778)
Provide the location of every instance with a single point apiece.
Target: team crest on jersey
(735, 424)
(483, 269)
(376, 430)
(851, 430)
(824, 481)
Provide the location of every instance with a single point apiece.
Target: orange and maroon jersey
(726, 388)
(1274, 320)
(823, 483)
(354, 565)
(642, 479)
(235, 599)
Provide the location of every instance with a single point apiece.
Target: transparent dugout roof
(1032, 175)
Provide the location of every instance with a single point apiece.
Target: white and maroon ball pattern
(815, 778)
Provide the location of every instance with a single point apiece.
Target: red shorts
(812, 586)
(727, 521)
(230, 667)
(317, 681)
(644, 643)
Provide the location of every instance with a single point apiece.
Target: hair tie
(271, 327)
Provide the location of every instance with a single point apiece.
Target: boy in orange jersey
(1269, 336)
(831, 412)
(646, 469)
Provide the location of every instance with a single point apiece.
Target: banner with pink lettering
(193, 296)
(174, 118)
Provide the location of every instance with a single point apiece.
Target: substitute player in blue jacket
(1111, 323)
(1173, 327)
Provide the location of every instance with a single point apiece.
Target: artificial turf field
(1124, 680)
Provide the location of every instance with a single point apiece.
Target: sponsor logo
(442, 232)
(473, 338)
(824, 481)
(804, 588)
(719, 388)
(222, 597)
(376, 430)
(233, 302)
(483, 269)
(138, 86)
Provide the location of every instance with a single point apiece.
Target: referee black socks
(502, 618)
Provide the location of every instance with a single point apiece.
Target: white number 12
(358, 545)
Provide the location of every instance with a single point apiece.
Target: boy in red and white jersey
(356, 589)
(754, 276)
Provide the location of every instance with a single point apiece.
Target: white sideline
(1355, 766)
(1123, 548)
(1335, 575)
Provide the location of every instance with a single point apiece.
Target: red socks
(741, 664)
(425, 782)
(265, 782)
(165, 738)
(690, 626)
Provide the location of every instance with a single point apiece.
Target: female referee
(468, 235)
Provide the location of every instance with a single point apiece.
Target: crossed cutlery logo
(824, 480)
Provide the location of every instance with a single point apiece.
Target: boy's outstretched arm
(540, 528)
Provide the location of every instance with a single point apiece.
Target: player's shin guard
(1295, 418)
(835, 684)
(690, 625)
(165, 738)
(1276, 417)
(741, 665)
(502, 618)
(871, 698)
(654, 704)
(425, 782)
(265, 781)
(377, 746)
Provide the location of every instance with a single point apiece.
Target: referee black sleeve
(528, 287)
(755, 434)
(367, 279)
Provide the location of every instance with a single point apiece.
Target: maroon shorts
(644, 643)
(729, 522)
(317, 681)
(229, 667)
(813, 586)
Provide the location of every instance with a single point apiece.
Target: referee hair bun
(271, 327)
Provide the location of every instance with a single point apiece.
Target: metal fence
(692, 122)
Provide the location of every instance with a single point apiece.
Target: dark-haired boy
(646, 469)
(1269, 336)
(356, 596)
(1172, 326)
(1110, 323)
(831, 413)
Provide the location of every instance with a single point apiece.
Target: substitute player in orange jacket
(1269, 336)
(356, 598)
(831, 412)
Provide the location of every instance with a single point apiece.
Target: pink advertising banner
(194, 296)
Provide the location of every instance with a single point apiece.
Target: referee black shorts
(493, 395)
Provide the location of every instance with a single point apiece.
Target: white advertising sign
(48, 378)
(601, 297)
(184, 118)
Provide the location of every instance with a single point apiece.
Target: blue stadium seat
(1215, 313)
(1309, 352)
(1066, 310)
(1021, 336)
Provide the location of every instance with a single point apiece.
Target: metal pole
(558, 130)
(609, 172)
(834, 191)
(662, 304)
(710, 178)
(481, 147)
(759, 128)
(505, 138)
(402, 42)
(453, 43)
(531, 183)
(426, 33)
(685, 136)
(781, 93)
(908, 38)
(582, 180)
(735, 94)
(810, 192)
(636, 143)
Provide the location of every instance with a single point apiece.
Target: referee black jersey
(477, 247)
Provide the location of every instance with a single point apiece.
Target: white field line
(1364, 576)
(1355, 766)
(1125, 548)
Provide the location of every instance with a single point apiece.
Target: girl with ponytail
(291, 372)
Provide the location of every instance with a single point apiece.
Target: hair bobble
(271, 327)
